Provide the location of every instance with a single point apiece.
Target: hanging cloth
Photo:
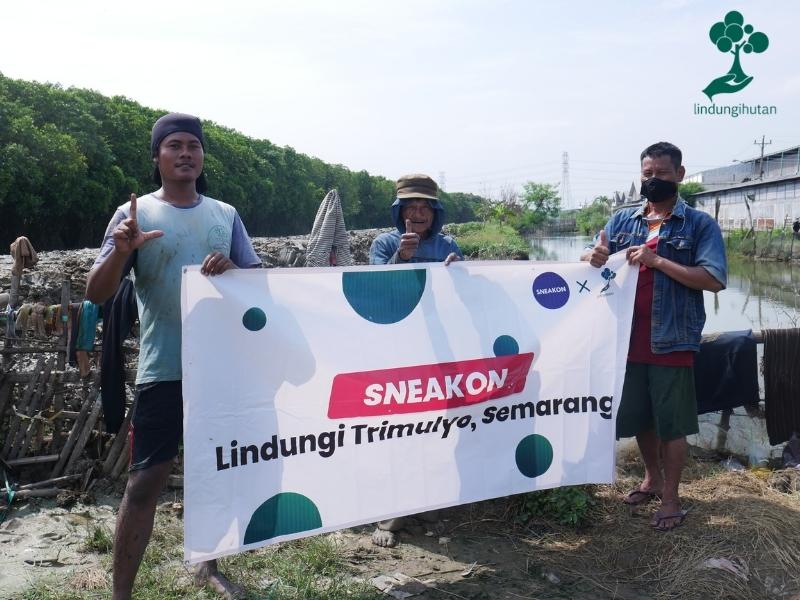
(329, 244)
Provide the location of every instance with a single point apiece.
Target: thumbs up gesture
(598, 256)
(409, 242)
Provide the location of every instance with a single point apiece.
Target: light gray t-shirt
(190, 234)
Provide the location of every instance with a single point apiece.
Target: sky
(485, 95)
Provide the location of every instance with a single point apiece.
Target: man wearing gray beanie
(157, 235)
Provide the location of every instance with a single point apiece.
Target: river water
(760, 295)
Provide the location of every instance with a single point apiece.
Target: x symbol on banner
(583, 286)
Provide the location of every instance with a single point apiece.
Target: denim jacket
(689, 237)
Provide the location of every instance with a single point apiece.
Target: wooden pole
(123, 460)
(63, 341)
(47, 397)
(38, 403)
(85, 433)
(118, 445)
(44, 493)
(77, 428)
(14, 422)
(6, 389)
(32, 460)
(45, 483)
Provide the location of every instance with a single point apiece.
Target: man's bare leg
(135, 524)
(650, 447)
(674, 456)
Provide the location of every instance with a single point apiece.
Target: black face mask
(658, 190)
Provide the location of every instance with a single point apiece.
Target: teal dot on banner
(283, 514)
(254, 319)
(384, 297)
(534, 455)
(505, 345)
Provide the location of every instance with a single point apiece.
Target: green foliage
(540, 202)
(688, 190)
(565, 505)
(591, 219)
(461, 207)
(69, 157)
(489, 241)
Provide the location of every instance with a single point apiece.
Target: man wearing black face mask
(680, 253)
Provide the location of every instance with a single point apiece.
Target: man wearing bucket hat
(157, 235)
(419, 217)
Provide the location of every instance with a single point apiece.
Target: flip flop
(660, 518)
(639, 496)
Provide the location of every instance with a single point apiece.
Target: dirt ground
(741, 540)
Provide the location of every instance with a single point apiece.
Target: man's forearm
(103, 281)
(696, 278)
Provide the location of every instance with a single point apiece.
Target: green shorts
(660, 398)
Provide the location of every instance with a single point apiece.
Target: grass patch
(313, 568)
(489, 241)
(99, 540)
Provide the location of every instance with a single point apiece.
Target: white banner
(318, 399)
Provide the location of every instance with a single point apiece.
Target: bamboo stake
(77, 428)
(119, 443)
(68, 377)
(65, 415)
(14, 424)
(58, 406)
(124, 459)
(6, 390)
(32, 460)
(45, 483)
(45, 493)
(52, 386)
(85, 433)
(37, 403)
(63, 340)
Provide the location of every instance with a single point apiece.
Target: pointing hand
(127, 235)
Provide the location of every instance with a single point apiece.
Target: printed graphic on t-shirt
(218, 240)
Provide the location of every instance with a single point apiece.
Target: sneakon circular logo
(550, 290)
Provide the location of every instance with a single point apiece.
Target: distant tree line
(538, 204)
(69, 157)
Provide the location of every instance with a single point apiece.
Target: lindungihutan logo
(733, 36)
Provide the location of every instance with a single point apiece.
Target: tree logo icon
(732, 35)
